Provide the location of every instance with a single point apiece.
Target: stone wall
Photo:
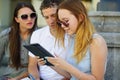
(108, 25)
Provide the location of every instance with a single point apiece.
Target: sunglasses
(25, 16)
(60, 23)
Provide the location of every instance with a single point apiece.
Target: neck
(53, 32)
(24, 34)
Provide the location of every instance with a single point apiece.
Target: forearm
(62, 72)
(23, 75)
(78, 74)
(34, 72)
(33, 68)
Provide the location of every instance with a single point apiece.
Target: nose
(51, 20)
(63, 26)
(29, 18)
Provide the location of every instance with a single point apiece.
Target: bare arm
(23, 75)
(66, 75)
(32, 68)
(98, 61)
(62, 72)
(99, 57)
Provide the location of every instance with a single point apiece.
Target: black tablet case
(38, 50)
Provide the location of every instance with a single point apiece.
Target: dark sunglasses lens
(65, 24)
(33, 15)
(58, 23)
(24, 16)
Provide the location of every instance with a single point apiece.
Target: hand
(12, 79)
(58, 62)
(41, 61)
(65, 79)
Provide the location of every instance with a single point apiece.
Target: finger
(51, 59)
(37, 57)
(40, 59)
(42, 62)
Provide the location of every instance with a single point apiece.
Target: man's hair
(49, 3)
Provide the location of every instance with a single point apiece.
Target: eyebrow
(63, 19)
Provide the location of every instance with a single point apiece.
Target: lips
(30, 23)
(52, 26)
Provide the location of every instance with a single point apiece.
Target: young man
(45, 37)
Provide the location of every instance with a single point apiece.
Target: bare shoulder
(98, 44)
(98, 40)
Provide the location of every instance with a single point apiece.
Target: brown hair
(84, 31)
(14, 36)
(49, 3)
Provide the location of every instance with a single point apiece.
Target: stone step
(107, 28)
(112, 39)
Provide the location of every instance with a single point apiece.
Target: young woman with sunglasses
(13, 56)
(87, 50)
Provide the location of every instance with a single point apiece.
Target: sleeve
(31, 54)
(34, 39)
(3, 43)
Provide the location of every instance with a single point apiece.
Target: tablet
(38, 50)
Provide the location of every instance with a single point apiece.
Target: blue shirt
(84, 65)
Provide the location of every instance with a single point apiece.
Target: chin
(52, 27)
(69, 33)
(30, 27)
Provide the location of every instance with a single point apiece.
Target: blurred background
(104, 14)
(7, 7)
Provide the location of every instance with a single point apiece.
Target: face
(50, 16)
(26, 18)
(68, 21)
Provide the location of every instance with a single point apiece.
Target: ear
(16, 19)
(81, 17)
